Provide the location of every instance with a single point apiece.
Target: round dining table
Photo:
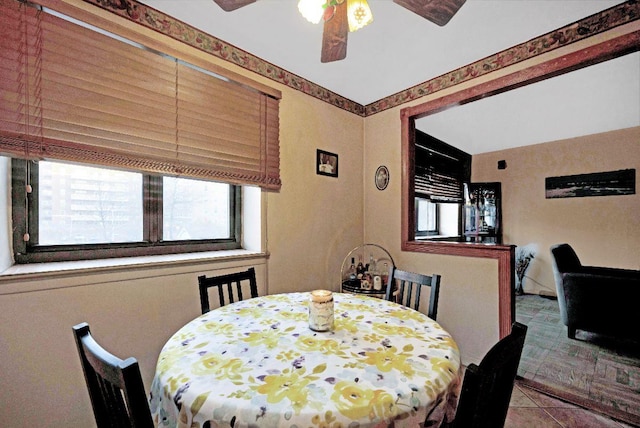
(256, 363)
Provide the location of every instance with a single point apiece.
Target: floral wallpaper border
(615, 16)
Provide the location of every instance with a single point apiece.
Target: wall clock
(382, 177)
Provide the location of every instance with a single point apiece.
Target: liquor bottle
(351, 272)
(376, 279)
(360, 268)
(371, 266)
(384, 274)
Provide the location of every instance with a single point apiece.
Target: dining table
(257, 363)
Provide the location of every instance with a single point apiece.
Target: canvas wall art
(622, 182)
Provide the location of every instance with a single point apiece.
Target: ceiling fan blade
(334, 35)
(229, 5)
(437, 11)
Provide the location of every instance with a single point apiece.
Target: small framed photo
(326, 163)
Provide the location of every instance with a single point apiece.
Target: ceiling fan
(336, 26)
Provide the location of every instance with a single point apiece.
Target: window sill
(48, 270)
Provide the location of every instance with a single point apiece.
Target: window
(437, 219)
(73, 212)
(440, 172)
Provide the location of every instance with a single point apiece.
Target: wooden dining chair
(401, 281)
(115, 386)
(486, 388)
(227, 281)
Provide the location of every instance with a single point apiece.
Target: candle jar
(321, 310)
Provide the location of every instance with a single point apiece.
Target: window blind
(71, 93)
(440, 170)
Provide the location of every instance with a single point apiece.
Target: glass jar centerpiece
(321, 310)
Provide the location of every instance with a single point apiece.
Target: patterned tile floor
(592, 371)
(532, 409)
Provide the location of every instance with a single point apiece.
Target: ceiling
(400, 49)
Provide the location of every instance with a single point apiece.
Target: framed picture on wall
(326, 163)
(622, 182)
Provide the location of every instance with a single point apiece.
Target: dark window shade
(70, 93)
(440, 170)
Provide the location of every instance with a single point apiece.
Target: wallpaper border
(149, 17)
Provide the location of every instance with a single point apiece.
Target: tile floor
(532, 409)
(599, 371)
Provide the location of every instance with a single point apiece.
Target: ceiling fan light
(358, 14)
(312, 10)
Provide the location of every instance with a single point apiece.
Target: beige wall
(469, 291)
(131, 312)
(311, 224)
(603, 230)
(469, 286)
(314, 220)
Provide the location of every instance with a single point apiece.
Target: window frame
(25, 219)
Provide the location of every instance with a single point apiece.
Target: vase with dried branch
(524, 255)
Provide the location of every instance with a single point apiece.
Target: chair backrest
(401, 287)
(115, 386)
(228, 281)
(565, 258)
(486, 388)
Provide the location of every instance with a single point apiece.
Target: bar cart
(365, 270)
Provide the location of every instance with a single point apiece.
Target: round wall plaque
(382, 177)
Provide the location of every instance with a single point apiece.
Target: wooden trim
(505, 254)
(619, 46)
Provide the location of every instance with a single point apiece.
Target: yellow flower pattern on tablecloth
(269, 338)
(256, 363)
(220, 367)
(357, 402)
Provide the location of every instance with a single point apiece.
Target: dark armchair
(595, 299)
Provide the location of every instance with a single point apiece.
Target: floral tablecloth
(256, 363)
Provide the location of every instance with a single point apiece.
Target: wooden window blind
(71, 93)
(440, 170)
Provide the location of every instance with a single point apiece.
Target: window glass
(87, 205)
(449, 215)
(194, 209)
(426, 223)
(66, 211)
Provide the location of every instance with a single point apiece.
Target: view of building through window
(195, 209)
(86, 205)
